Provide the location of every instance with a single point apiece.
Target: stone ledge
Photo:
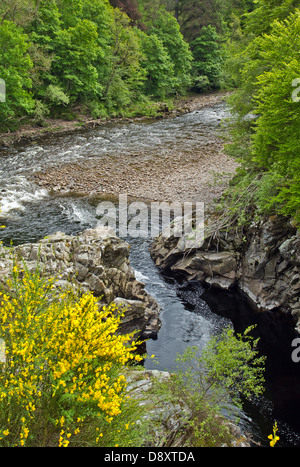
(96, 261)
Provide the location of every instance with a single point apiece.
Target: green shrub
(212, 382)
(268, 144)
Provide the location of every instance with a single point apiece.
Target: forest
(64, 58)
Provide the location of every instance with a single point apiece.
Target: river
(31, 212)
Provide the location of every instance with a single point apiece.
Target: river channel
(30, 212)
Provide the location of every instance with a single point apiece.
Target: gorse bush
(61, 381)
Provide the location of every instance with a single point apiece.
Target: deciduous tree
(15, 66)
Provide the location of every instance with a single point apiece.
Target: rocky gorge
(50, 188)
(264, 263)
(96, 261)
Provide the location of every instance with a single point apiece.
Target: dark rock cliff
(264, 264)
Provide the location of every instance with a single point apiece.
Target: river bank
(33, 131)
(197, 173)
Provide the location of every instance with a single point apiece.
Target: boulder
(96, 260)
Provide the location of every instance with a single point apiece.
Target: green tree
(266, 12)
(70, 11)
(123, 75)
(167, 29)
(266, 118)
(19, 12)
(194, 14)
(207, 53)
(72, 41)
(277, 131)
(158, 66)
(42, 31)
(130, 7)
(216, 379)
(15, 66)
(46, 24)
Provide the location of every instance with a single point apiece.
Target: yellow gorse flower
(59, 349)
(274, 438)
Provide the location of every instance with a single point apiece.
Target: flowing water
(190, 315)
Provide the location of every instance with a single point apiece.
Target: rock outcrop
(97, 261)
(264, 264)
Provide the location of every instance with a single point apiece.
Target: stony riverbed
(197, 171)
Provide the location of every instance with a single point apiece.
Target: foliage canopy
(266, 116)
